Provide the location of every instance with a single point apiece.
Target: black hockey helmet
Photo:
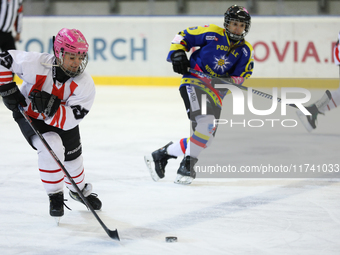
(240, 14)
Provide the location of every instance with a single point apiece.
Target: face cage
(82, 66)
(236, 37)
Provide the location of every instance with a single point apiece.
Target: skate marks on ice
(233, 209)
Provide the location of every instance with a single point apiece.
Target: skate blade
(184, 180)
(57, 219)
(304, 120)
(150, 165)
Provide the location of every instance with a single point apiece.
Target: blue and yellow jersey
(216, 55)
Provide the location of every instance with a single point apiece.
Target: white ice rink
(241, 216)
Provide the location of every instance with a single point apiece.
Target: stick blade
(113, 234)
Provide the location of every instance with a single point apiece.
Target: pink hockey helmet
(71, 41)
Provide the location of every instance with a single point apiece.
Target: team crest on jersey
(221, 63)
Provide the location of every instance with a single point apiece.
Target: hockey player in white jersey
(57, 94)
(329, 101)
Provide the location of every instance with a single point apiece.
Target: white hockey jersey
(35, 69)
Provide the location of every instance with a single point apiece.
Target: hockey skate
(157, 161)
(92, 198)
(56, 204)
(186, 173)
(310, 121)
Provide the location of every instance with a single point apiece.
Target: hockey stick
(112, 233)
(256, 92)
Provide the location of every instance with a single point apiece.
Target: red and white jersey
(35, 69)
(337, 52)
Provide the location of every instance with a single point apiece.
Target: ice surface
(211, 216)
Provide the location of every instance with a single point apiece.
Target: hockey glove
(44, 102)
(180, 62)
(12, 96)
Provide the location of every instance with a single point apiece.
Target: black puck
(171, 239)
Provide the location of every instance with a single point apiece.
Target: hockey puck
(171, 239)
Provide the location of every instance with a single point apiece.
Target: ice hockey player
(329, 101)
(57, 94)
(223, 52)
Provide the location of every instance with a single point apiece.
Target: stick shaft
(254, 91)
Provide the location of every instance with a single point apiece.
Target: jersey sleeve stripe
(6, 80)
(5, 73)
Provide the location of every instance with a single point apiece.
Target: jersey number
(6, 59)
(79, 112)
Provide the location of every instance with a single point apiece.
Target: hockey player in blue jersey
(223, 52)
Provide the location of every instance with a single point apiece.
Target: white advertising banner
(285, 47)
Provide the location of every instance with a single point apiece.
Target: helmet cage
(81, 68)
(240, 14)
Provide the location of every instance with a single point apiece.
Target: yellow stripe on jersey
(201, 30)
(249, 46)
(176, 46)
